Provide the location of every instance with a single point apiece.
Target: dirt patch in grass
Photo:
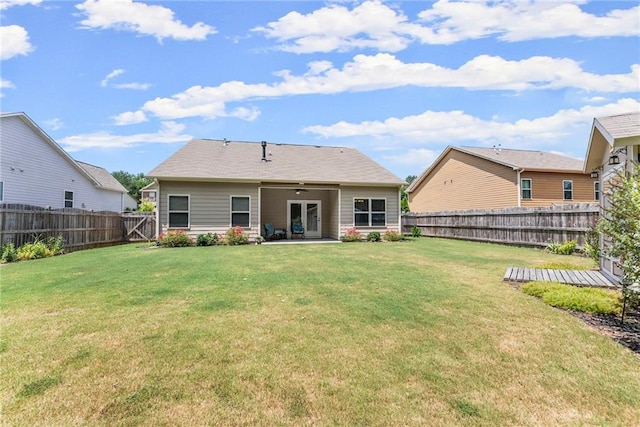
(627, 333)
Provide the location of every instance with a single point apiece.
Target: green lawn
(410, 333)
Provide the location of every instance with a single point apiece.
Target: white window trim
(231, 211)
(64, 202)
(563, 190)
(353, 207)
(522, 189)
(169, 211)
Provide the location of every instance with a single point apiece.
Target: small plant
(568, 297)
(374, 236)
(352, 235)
(146, 205)
(562, 248)
(259, 240)
(236, 236)
(393, 236)
(55, 245)
(174, 239)
(416, 231)
(9, 253)
(208, 239)
(592, 244)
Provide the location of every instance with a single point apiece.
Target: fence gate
(140, 227)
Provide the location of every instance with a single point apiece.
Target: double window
(240, 211)
(68, 199)
(369, 212)
(178, 211)
(567, 188)
(525, 185)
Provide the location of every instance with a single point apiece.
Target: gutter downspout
(519, 171)
(158, 198)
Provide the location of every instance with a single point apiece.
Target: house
(35, 170)
(212, 185)
(465, 178)
(614, 146)
(149, 193)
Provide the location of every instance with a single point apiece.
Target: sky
(124, 84)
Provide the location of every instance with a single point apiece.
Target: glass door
(308, 213)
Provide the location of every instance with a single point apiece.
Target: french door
(307, 212)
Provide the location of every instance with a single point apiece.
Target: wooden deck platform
(571, 277)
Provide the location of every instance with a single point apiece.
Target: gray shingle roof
(621, 125)
(106, 180)
(526, 159)
(204, 159)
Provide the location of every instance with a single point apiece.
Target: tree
(404, 198)
(132, 182)
(620, 225)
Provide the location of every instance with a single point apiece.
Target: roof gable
(203, 159)
(610, 132)
(104, 178)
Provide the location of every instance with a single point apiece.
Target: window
(240, 211)
(596, 190)
(567, 187)
(369, 212)
(1, 191)
(68, 199)
(178, 211)
(525, 184)
(151, 195)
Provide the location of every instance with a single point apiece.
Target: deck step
(572, 277)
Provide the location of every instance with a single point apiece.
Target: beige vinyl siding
(274, 207)
(462, 181)
(348, 194)
(547, 190)
(209, 205)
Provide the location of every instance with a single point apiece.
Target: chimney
(264, 151)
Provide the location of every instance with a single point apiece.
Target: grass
(586, 300)
(408, 333)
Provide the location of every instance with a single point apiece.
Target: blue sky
(123, 84)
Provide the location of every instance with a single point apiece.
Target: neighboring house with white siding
(35, 170)
(463, 178)
(614, 147)
(212, 185)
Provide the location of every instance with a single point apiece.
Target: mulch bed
(627, 333)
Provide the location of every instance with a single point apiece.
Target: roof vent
(264, 150)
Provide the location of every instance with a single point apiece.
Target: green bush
(55, 245)
(352, 235)
(146, 205)
(562, 248)
(393, 236)
(9, 253)
(236, 236)
(416, 231)
(568, 297)
(374, 236)
(35, 250)
(174, 239)
(208, 239)
(592, 245)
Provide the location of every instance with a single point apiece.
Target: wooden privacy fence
(512, 226)
(80, 229)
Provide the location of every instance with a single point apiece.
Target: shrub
(236, 236)
(352, 235)
(174, 239)
(416, 231)
(568, 297)
(208, 239)
(9, 253)
(35, 250)
(562, 248)
(374, 236)
(393, 236)
(55, 245)
(146, 205)
(592, 245)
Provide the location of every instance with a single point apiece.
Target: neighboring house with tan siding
(614, 147)
(465, 178)
(212, 185)
(35, 170)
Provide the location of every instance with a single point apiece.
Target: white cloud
(6, 4)
(15, 41)
(383, 71)
(433, 127)
(54, 124)
(5, 84)
(377, 25)
(111, 75)
(130, 118)
(141, 18)
(169, 133)
(413, 157)
(117, 72)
